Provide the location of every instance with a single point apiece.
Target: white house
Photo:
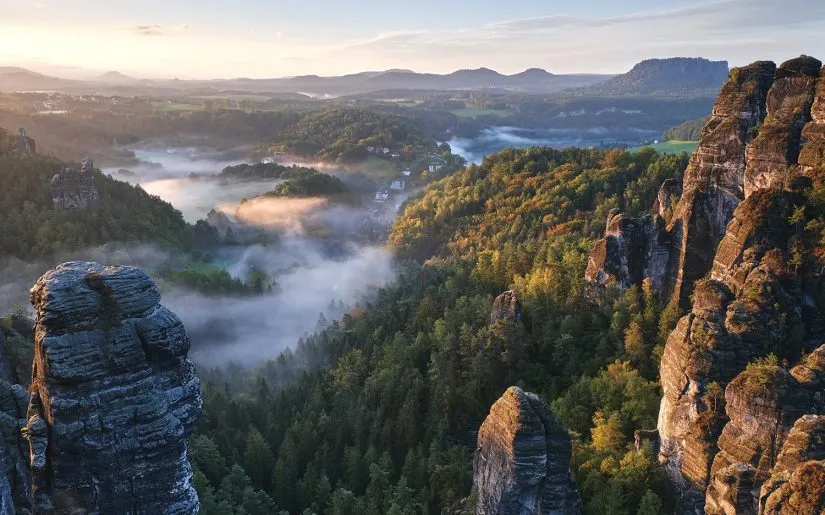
(407, 172)
(398, 184)
(382, 195)
(434, 167)
(386, 150)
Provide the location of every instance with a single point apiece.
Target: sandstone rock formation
(633, 249)
(797, 484)
(812, 155)
(506, 306)
(22, 144)
(113, 395)
(772, 154)
(732, 226)
(762, 403)
(522, 463)
(732, 322)
(73, 189)
(16, 353)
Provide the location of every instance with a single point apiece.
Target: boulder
(522, 462)
(114, 396)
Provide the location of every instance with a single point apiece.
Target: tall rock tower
(113, 396)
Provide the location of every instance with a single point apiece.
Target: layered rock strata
(763, 403)
(797, 482)
(633, 249)
(16, 352)
(522, 462)
(113, 395)
(734, 319)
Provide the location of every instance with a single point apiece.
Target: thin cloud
(149, 30)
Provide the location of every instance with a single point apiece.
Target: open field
(475, 112)
(670, 147)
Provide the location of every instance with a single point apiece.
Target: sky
(191, 39)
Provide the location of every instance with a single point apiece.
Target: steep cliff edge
(522, 462)
(113, 395)
(732, 253)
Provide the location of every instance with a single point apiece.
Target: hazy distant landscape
(362, 258)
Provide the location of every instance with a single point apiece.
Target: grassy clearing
(670, 147)
(475, 112)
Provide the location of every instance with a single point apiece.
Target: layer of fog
(312, 280)
(188, 179)
(310, 284)
(314, 258)
(494, 139)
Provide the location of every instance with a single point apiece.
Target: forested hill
(386, 419)
(33, 227)
(344, 135)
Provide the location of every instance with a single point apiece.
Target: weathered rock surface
(16, 352)
(774, 151)
(797, 483)
(522, 463)
(633, 249)
(75, 189)
(713, 184)
(22, 144)
(812, 155)
(762, 403)
(506, 306)
(113, 395)
(733, 320)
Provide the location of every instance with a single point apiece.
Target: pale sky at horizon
(260, 38)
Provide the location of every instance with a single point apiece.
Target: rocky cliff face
(733, 221)
(113, 396)
(522, 463)
(729, 263)
(797, 483)
(632, 250)
(16, 353)
(748, 308)
(762, 403)
(75, 189)
(22, 144)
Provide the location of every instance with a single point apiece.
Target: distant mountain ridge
(672, 76)
(675, 75)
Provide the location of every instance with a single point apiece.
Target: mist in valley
(317, 263)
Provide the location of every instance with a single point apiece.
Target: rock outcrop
(113, 395)
(633, 249)
(797, 483)
(775, 150)
(812, 155)
(732, 322)
(762, 403)
(506, 306)
(75, 189)
(722, 421)
(22, 144)
(16, 353)
(522, 463)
